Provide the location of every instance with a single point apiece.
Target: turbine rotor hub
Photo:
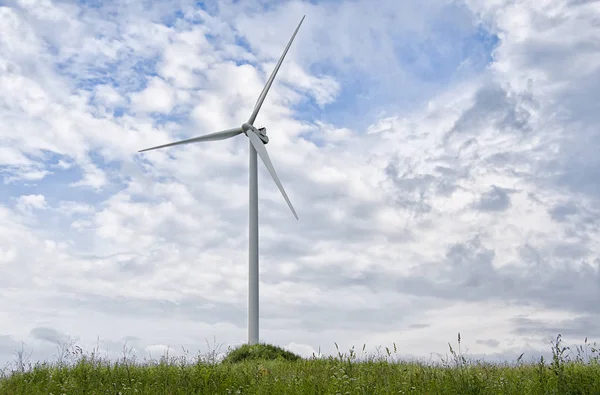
(261, 132)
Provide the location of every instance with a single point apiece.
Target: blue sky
(436, 160)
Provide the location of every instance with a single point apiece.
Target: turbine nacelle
(260, 132)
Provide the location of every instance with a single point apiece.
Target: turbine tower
(257, 140)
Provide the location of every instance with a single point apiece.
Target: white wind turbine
(257, 140)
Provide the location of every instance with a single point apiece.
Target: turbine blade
(222, 135)
(265, 90)
(264, 156)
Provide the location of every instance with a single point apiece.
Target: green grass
(265, 369)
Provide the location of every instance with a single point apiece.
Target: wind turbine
(257, 140)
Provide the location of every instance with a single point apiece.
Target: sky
(442, 157)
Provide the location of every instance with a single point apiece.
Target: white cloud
(30, 202)
(158, 96)
(72, 208)
(94, 177)
(425, 204)
(107, 95)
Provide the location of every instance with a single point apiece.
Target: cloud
(156, 97)
(441, 159)
(49, 335)
(497, 199)
(29, 202)
(489, 342)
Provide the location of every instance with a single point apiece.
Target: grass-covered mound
(259, 352)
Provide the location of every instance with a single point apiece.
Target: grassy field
(253, 371)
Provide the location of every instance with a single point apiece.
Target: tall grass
(347, 373)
